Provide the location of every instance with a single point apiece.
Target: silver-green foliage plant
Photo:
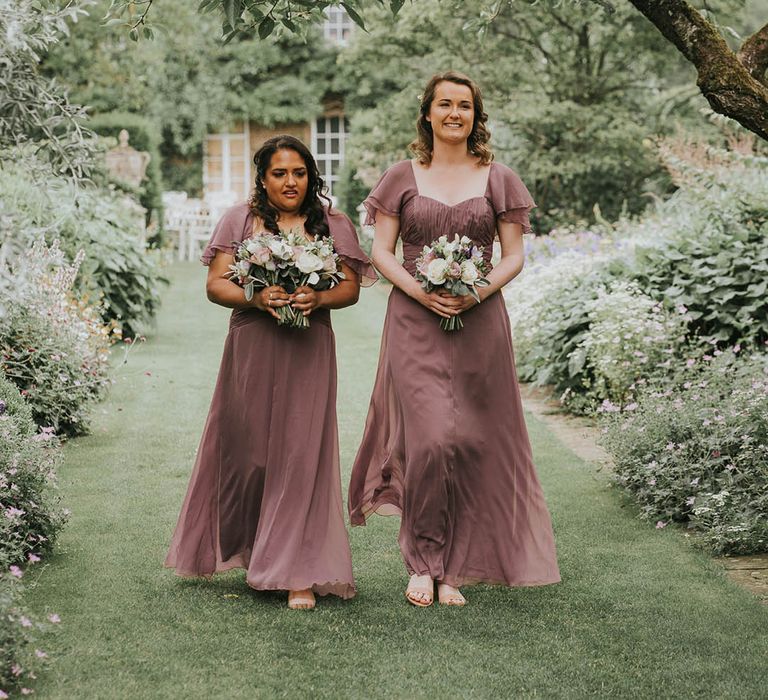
(35, 110)
(710, 253)
(696, 450)
(118, 273)
(53, 347)
(631, 339)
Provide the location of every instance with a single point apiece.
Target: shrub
(52, 347)
(549, 307)
(118, 270)
(710, 251)
(19, 657)
(29, 507)
(630, 340)
(696, 450)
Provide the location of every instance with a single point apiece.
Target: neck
(450, 154)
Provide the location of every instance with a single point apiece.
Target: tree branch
(729, 87)
(754, 55)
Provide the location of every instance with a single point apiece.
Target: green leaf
(265, 27)
(354, 16)
(133, 35)
(396, 5)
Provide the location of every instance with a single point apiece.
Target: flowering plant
(456, 266)
(288, 259)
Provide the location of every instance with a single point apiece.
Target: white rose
(469, 272)
(436, 271)
(309, 262)
(330, 264)
(280, 249)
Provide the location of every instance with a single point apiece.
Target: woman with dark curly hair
(265, 493)
(445, 443)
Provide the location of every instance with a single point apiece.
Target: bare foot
(301, 600)
(421, 590)
(448, 595)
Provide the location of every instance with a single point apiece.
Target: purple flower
(54, 618)
(16, 571)
(690, 500)
(25, 621)
(660, 524)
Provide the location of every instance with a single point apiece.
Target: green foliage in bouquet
(696, 450)
(53, 347)
(143, 136)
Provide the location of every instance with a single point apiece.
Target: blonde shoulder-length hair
(423, 145)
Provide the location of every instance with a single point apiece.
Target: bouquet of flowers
(290, 260)
(456, 266)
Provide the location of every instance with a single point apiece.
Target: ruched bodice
(423, 219)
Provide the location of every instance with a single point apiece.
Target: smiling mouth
(453, 125)
(290, 193)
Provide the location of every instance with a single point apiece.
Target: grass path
(639, 613)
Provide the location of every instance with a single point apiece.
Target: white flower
(280, 249)
(329, 265)
(436, 271)
(309, 262)
(469, 272)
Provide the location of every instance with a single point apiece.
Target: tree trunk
(731, 87)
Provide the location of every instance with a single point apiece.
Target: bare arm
(512, 258)
(383, 256)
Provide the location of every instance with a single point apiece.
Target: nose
(290, 180)
(454, 111)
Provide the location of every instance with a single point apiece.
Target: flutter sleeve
(509, 196)
(233, 227)
(387, 195)
(346, 244)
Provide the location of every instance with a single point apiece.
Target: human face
(452, 112)
(286, 181)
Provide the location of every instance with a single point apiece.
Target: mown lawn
(639, 612)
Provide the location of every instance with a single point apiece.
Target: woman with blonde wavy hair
(445, 443)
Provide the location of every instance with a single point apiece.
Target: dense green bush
(52, 347)
(118, 271)
(696, 450)
(143, 136)
(711, 254)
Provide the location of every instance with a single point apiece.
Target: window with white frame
(337, 27)
(328, 137)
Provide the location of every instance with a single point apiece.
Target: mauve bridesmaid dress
(445, 443)
(265, 492)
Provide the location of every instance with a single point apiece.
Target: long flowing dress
(445, 443)
(265, 492)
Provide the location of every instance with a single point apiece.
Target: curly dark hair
(311, 207)
(477, 142)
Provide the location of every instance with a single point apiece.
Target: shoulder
(236, 214)
(503, 173)
(337, 219)
(398, 171)
(505, 187)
